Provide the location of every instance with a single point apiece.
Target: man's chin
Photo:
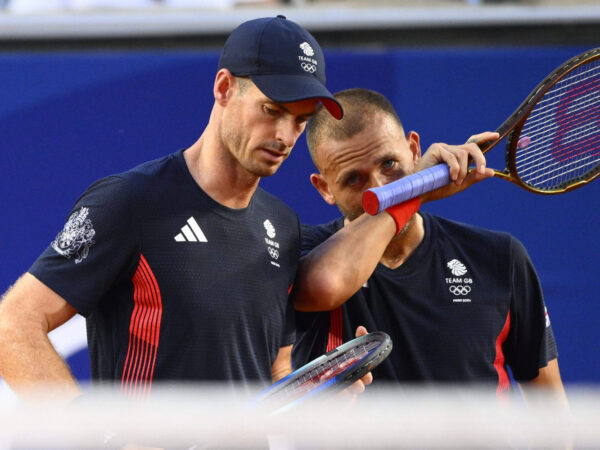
(266, 170)
(269, 173)
(350, 216)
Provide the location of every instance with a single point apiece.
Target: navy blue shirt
(466, 304)
(175, 286)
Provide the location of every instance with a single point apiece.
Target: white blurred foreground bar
(400, 417)
(163, 21)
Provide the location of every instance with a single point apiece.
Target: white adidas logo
(191, 232)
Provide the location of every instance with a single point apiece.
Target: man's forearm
(30, 365)
(333, 271)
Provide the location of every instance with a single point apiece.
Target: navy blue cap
(282, 59)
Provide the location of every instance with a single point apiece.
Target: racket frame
(339, 381)
(511, 128)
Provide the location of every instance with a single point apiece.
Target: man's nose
(288, 132)
(377, 180)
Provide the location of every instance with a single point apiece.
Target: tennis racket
(328, 374)
(552, 139)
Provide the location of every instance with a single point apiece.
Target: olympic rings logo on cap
(310, 68)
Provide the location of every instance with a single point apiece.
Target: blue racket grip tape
(378, 199)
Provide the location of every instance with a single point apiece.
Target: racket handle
(377, 199)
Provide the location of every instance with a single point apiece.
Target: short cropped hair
(361, 108)
(243, 84)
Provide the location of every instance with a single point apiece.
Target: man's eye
(271, 111)
(352, 180)
(389, 164)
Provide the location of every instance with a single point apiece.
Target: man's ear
(321, 185)
(414, 144)
(222, 89)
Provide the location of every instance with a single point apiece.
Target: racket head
(553, 137)
(329, 373)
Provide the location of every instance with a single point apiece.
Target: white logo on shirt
(270, 228)
(457, 268)
(191, 232)
(272, 246)
(76, 238)
(458, 286)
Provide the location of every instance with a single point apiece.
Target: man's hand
(458, 158)
(358, 387)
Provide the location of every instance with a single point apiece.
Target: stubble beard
(350, 215)
(234, 146)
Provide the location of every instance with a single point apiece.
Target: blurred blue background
(69, 118)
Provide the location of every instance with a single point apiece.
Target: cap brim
(295, 88)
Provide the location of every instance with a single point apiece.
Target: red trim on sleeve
(503, 380)
(144, 333)
(336, 327)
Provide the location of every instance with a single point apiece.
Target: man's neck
(404, 244)
(218, 173)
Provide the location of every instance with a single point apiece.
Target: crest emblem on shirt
(77, 236)
(459, 286)
(272, 246)
(457, 268)
(269, 228)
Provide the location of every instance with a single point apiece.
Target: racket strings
(584, 110)
(326, 371)
(584, 103)
(559, 89)
(547, 160)
(560, 137)
(555, 170)
(580, 114)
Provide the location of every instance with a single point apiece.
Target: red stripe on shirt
(336, 327)
(144, 333)
(503, 380)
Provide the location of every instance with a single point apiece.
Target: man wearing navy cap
(182, 266)
(282, 59)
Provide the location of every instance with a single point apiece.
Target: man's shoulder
(270, 202)
(263, 196)
(313, 235)
(467, 231)
(149, 171)
(328, 227)
(145, 177)
(476, 239)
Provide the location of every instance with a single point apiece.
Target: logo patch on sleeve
(76, 238)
